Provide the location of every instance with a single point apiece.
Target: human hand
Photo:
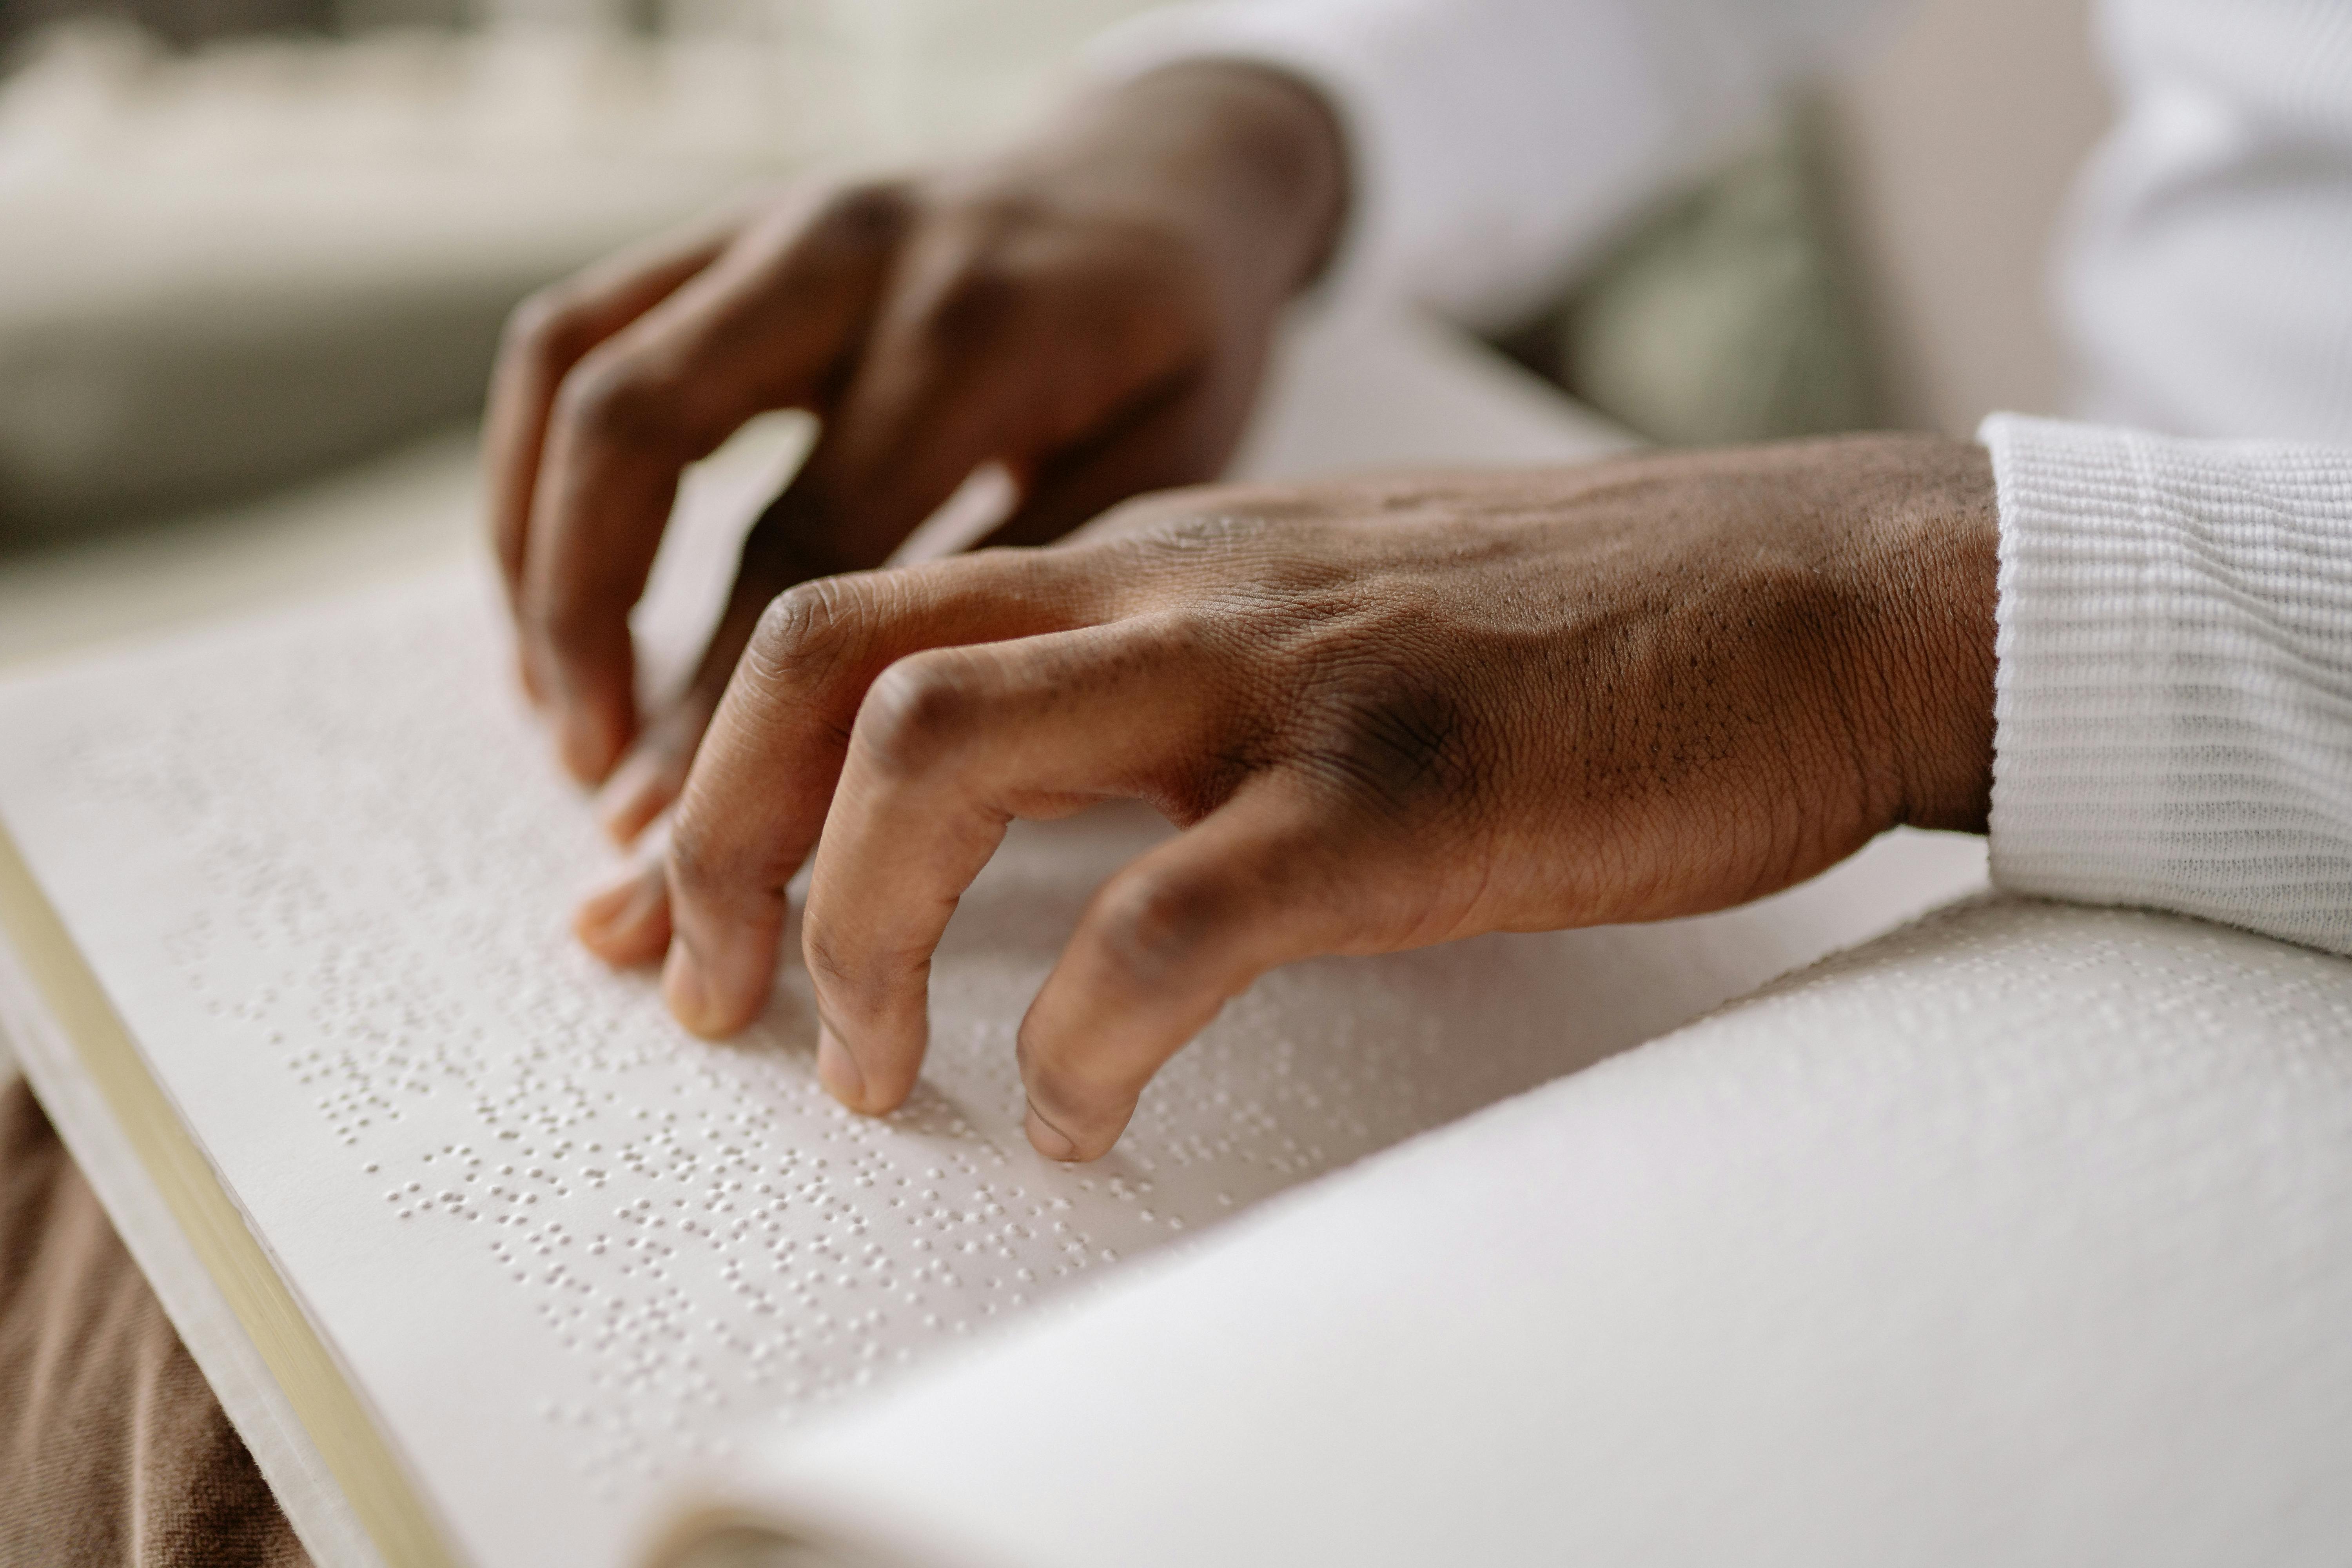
(1387, 713)
(1091, 310)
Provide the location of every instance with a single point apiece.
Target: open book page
(322, 866)
(2014, 1238)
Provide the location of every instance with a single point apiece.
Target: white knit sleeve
(1493, 143)
(2173, 717)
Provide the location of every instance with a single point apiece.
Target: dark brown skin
(1387, 712)
(1091, 309)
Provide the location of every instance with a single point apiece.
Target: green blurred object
(1732, 315)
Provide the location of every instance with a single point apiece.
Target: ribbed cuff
(2173, 717)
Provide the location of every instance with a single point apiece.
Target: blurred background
(247, 243)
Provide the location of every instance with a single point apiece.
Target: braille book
(489, 1260)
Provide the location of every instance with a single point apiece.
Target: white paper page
(2016, 1238)
(323, 864)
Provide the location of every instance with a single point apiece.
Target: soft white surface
(483, 1163)
(2015, 1238)
(2174, 687)
(321, 997)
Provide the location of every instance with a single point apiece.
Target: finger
(1165, 944)
(939, 388)
(761, 783)
(1163, 448)
(996, 344)
(649, 779)
(765, 326)
(911, 428)
(625, 921)
(547, 335)
(949, 746)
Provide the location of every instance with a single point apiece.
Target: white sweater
(2174, 706)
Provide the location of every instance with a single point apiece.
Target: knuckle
(1156, 923)
(612, 399)
(805, 633)
(546, 333)
(921, 710)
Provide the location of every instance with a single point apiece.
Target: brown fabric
(112, 1449)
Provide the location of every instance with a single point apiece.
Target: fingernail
(632, 797)
(837, 1069)
(1049, 1140)
(685, 988)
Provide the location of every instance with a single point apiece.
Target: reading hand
(1386, 713)
(1090, 308)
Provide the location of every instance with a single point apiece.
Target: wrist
(1933, 585)
(1249, 162)
(1275, 158)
